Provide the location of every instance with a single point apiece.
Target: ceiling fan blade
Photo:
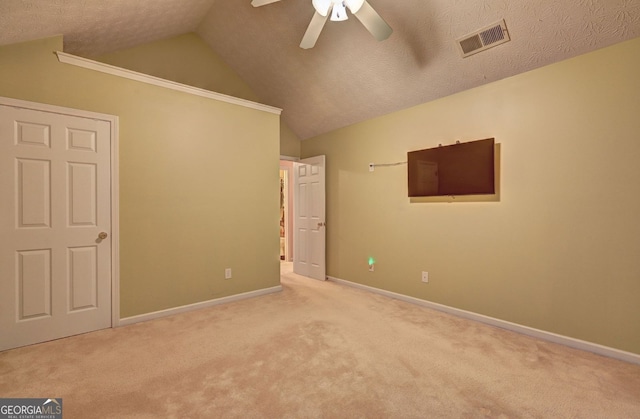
(258, 3)
(373, 22)
(313, 31)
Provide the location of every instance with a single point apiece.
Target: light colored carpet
(319, 349)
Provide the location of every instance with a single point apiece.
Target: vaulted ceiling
(348, 76)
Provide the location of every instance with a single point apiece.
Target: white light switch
(425, 276)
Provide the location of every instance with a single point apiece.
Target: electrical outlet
(425, 276)
(227, 273)
(371, 267)
(371, 167)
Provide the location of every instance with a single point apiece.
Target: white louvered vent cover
(483, 39)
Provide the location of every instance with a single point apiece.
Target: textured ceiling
(94, 27)
(348, 76)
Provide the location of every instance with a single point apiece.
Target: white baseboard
(514, 327)
(197, 306)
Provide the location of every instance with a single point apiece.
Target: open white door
(309, 220)
(55, 225)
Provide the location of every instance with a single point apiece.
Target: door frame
(114, 189)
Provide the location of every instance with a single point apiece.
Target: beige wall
(289, 142)
(189, 60)
(198, 180)
(560, 251)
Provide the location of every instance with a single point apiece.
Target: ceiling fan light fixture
(322, 6)
(339, 12)
(354, 5)
(361, 9)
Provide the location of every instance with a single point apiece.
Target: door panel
(33, 183)
(29, 133)
(34, 284)
(55, 200)
(83, 278)
(82, 194)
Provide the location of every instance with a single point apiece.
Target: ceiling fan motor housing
(324, 6)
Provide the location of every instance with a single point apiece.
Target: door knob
(321, 225)
(103, 235)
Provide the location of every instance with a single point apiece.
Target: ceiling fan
(338, 8)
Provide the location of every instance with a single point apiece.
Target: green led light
(371, 261)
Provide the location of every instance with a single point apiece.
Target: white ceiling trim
(63, 57)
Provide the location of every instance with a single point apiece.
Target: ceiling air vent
(483, 39)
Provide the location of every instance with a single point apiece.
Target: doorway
(302, 216)
(286, 210)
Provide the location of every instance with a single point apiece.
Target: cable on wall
(372, 166)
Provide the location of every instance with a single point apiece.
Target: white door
(55, 225)
(309, 219)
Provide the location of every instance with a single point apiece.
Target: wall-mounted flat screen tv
(458, 169)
